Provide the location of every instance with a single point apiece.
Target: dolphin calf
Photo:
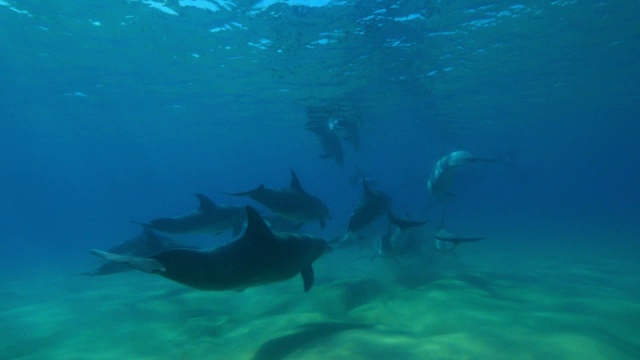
(292, 203)
(393, 244)
(329, 140)
(442, 174)
(146, 244)
(372, 205)
(258, 257)
(209, 217)
(447, 242)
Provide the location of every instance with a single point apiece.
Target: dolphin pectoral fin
(143, 264)
(307, 277)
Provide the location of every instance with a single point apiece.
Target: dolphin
(447, 242)
(258, 257)
(347, 130)
(146, 244)
(393, 244)
(209, 217)
(292, 203)
(329, 140)
(372, 205)
(442, 174)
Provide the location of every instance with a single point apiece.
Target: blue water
(118, 111)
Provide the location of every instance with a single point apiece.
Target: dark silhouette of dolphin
(329, 140)
(392, 244)
(209, 217)
(372, 205)
(292, 203)
(146, 244)
(258, 257)
(447, 242)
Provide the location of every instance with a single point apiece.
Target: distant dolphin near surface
(329, 140)
(146, 244)
(292, 203)
(372, 205)
(209, 217)
(442, 174)
(258, 257)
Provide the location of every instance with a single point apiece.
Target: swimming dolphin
(258, 257)
(442, 174)
(209, 217)
(347, 130)
(328, 140)
(146, 244)
(292, 203)
(372, 205)
(393, 244)
(447, 242)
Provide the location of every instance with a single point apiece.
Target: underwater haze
(115, 113)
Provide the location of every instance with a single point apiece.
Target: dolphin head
(460, 158)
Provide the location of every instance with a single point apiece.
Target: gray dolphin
(146, 244)
(292, 203)
(346, 129)
(447, 242)
(372, 205)
(329, 140)
(442, 174)
(258, 257)
(393, 244)
(209, 217)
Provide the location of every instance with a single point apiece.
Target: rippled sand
(474, 306)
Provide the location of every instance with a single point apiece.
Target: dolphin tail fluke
(147, 265)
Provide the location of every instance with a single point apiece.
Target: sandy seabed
(474, 306)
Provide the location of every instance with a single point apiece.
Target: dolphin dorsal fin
(295, 183)
(257, 230)
(205, 203)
